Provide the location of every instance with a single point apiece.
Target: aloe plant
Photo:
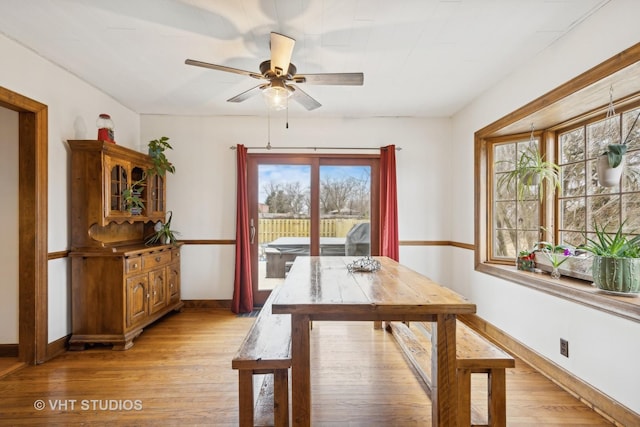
(616, 245)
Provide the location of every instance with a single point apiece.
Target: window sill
(571, 289)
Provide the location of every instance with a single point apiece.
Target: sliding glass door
(308, 206)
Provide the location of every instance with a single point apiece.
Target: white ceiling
(424, 58)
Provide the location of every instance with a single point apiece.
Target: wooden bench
(474, 355)
(265, 350)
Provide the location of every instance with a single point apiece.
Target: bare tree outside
(348, 195)
(287, 198)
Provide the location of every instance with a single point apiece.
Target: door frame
(315, 161)
(33, 240)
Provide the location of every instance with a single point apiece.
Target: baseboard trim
(603, 404)
(207, 304)
(8, 350)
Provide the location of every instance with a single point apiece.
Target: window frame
(570, 103)
(542, 219)
(315, 161)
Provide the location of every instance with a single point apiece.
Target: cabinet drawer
(132, 265)
(156, 259)
(175, 254)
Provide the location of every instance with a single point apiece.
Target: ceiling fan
(281, 75)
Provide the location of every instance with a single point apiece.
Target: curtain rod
(271, 147)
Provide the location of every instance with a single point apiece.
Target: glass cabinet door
(156, 198)
(117, 181)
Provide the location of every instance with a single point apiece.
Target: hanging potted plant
(531, 173)
(616, 261)
(161, 165)
(610, 164)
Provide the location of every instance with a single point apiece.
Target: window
(517, 222)
(569, 114)
(582, 201)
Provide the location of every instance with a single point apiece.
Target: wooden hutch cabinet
(119, 284)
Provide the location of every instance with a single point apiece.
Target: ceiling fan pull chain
(268, 129)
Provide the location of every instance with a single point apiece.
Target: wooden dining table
(322, 288)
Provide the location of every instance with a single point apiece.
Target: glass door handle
(252, 231)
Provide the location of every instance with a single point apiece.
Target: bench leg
(245, 397)
(464, 397)
(497, 398)
(281, 397)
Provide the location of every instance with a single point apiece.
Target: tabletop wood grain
(319, 286)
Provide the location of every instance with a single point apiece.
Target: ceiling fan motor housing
(268, 73)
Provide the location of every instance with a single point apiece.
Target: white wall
(9, 215)
(533, 317)
(73, 107)
(202, 191)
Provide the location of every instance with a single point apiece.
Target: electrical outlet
(564, 347)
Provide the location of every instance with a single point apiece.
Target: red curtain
(388, 204)
(242, 287)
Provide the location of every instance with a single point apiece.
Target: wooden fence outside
(269, 229)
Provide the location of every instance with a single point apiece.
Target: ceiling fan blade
(303, 98)
(281, 51)
(344, 79)
(247, 93)
(223, 68)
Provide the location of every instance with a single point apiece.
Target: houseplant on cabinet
(616, 261)
(163, 234)
(132, 197)
(161, 165)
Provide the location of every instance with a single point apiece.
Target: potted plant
(526, 260)
(132, 197)
(529, 172)
(556, 255)
(161, 165)
(610, 163)
(163, 234)
(616, 261)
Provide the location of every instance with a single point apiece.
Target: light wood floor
(179, 373)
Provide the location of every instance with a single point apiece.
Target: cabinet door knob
(135, 265)
(148, 296)
(158, 259)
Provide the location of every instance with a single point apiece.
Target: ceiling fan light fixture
(276, 96)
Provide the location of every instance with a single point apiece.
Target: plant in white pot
(616, 261)
(610, 163)
(163, 234)
(531, 173)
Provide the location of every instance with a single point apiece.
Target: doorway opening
(309, 205)
(32, 244)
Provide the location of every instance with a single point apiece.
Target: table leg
(300, 371)
(444, 388)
